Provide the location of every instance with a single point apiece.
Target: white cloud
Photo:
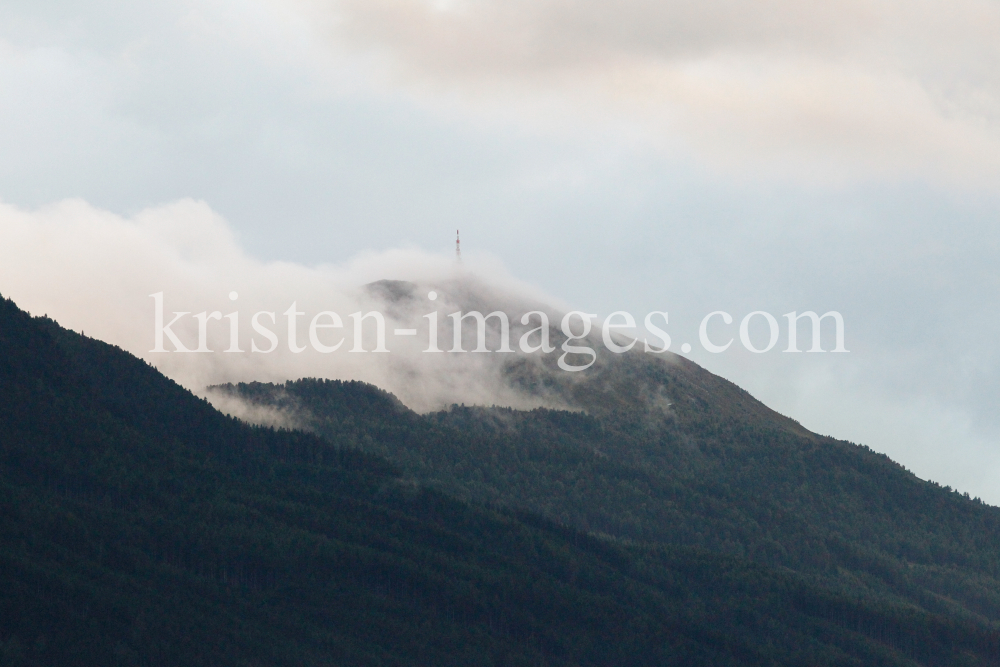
(95, 271)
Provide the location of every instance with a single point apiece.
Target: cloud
(825, 92)
(96, 271)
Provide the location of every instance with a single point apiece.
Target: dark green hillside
(138, 526)
(725, 475)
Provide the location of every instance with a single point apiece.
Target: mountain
(140, 526)
(662, 452)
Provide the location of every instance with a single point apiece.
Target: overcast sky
(630, 155)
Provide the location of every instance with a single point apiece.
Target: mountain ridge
(140, 526)
(757, 490)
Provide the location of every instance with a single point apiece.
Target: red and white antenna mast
(458, 247)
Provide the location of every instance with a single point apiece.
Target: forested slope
(740, 480)
(138, 526)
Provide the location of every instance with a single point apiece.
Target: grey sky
(640, 156)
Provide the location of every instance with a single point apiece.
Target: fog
(104, 275)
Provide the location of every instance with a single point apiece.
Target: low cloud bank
(109, 276)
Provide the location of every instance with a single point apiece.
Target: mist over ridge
(95, 271)
(133, 507)
(105, 275)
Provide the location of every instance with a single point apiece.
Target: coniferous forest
(140, 526)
